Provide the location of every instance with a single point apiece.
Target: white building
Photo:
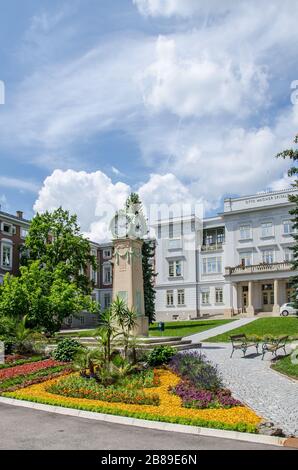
(236, 262)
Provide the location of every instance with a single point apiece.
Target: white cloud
(95, 198)
(20, 184)
(66, 102)
(181, 7)
(201, 85)
(92, 196)
(206, 103)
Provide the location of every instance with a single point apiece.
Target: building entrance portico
(262, 296)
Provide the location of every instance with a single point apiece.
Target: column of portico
(230, 310)
(276, 305)
(250, 308)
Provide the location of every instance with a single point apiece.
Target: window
(214, 236)
(181, 297)
(24, 232)
(212, 265)
(107, 300)
(82, 320)
(245, 232)
(175, 268)
(107, 274)
(93, 275)
(288, 227)
(182, 228)
(268, 256)
(245, 258)
(93, 272)
(6, 255)
(205, 297)
(220, 236)
(170, 298)
(193, 225)
(218, 295)
(107, 253)
(288, 254)
(267, 229)
(7, 228)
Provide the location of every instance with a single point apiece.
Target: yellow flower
(170, 405)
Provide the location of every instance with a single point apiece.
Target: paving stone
(270, 394)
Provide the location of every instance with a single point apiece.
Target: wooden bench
(241, 342)
(274, 345)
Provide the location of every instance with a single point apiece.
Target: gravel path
(272, 395)
(218, 330)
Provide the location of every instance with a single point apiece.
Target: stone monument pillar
(128, 278)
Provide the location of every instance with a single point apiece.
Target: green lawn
(275, 326)
(185, 328)
(285, 366)
(175, 328)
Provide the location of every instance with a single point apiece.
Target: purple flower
(197, 398)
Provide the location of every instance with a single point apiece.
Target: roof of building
(14, 217)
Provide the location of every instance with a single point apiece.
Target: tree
(54, 239)
(292, 154)
(148, 251)
(45, 297)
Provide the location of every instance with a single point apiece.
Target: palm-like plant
(88, 360)
(127, 321)
(25, 338)
(107, 332)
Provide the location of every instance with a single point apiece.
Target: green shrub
(66, 350)
(160, 355)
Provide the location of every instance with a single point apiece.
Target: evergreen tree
(292, 154)
(148, 251)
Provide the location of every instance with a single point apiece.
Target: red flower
(26, 369)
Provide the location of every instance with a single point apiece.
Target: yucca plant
(87, 361)
(24, 338)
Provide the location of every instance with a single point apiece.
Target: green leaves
(53, 283)
(55, 241)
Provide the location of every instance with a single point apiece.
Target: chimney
(19, 214)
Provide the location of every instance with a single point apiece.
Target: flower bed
(78, 387)
(194, 398)
(27, 368)
(18, 360)
(170, 407)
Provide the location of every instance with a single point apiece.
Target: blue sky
(182, 101)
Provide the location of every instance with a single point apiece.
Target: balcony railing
(258, 268)
(212, 247)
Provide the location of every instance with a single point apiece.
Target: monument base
(142, 327)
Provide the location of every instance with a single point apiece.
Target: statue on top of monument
(130, 222)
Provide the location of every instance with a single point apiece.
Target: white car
(288, 309)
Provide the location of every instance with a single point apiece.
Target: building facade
(236, 262)
(13, 231)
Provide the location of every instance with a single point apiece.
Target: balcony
(258, 268)
(212, 247)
